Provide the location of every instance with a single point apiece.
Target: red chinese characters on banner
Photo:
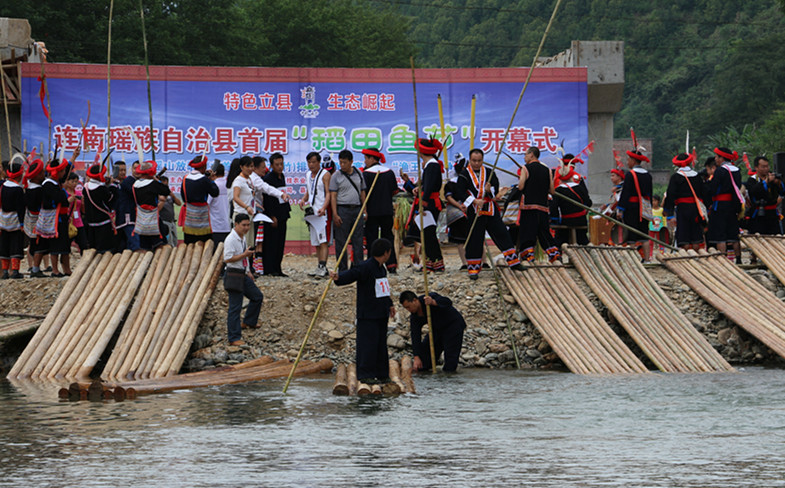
(368, 102)
(233, 101)
(545, 139)
(145, 139)
(66, 136)
(172, 140)
(277, 140)
(491, 140)
(250, 140)
(224, 142)
(520, 139)
(94, 138)
(198, 140)
(121, 140)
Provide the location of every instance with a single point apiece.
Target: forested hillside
(714, 67)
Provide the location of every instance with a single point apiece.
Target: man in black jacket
(278, 209)
(374, 307)
(447, 324)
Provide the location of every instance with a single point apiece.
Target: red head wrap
(375, 153)
(150, 171)
(198, 162)
(683, 160)
(55, 167)
(97, 172)
(428, 146)
(725, 153)
(618, 172)
(15, 174)
(35, 168)
(638, 157)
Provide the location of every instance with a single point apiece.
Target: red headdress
(198, 162)
(97, 172)
(618, 171)
(34, 169)
(637, 156)
(375, 153)
(429, 147)
(55, 167)
(725, 153)
(15, 170)
(683, 160)
(149, 171)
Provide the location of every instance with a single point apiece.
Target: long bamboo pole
(471, 122)
(441, 123)
(420, 199)
(329, 283)
(147, 70)
(109, 80)
(520, 97)
(49, 326)
(502, 306)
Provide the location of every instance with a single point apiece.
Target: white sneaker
(321, 271)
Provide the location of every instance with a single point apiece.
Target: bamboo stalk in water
(340, 387)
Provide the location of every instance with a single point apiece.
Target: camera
(308, 211)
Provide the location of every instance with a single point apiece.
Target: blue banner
(229, 112)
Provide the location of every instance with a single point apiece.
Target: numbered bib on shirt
(382, 287)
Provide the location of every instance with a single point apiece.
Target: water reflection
(477, 428)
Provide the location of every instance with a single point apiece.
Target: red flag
(42, 95)
(634, 139)
(750, 170)
(586, 151)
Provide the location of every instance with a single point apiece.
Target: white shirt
(262, 188)
(316, 190)
(246, 193)
(219, 208)
(234, 245)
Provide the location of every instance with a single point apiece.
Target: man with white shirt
(260, 189)
(236, 257)
(317, 198)
(196, 188)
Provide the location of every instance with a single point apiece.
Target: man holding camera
(197, 186)
(317, 202)
(238, 282)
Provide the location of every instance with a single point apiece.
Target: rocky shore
(290, 302)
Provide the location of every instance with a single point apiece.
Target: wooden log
(145, 293)
(81, 328)
(165, 310)
(96, 392)
(395, 375)
(152, 315)
(42, 339)
(62, 394)
(363, 389)
(340, 387)
(195, 313)
(77, 316)
(376, 390)
(119, 394)
(85, 367)
(165, 356)
(97, 320)
(351, 378)
(406, 374)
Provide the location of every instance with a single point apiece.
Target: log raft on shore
(264, 368)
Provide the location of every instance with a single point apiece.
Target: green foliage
(766, 138)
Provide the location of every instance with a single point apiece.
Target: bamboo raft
(264, 368)
(12, 325)
(770, 250)
(163, 322)
(664, 334)
(77, 329)
(734, 293)
(400, 375)
(569, 322)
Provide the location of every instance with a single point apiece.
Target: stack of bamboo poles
(70, 341)
(263, 368)
(569, 322)
(664, 334)
(770, 250)
(400, 375)
(13, 325)
(734, 293)
(163, 321)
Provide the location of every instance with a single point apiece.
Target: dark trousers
(12, 244)
(192, 238)
(377, 226)
(371, 350)
(450, 342)
(348, 215)
(252, 292)
(101, 238)
(563, 235)
(495, 227)
(273, 247)
(219, 237)
(534, 226)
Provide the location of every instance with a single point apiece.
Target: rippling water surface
(476, 428)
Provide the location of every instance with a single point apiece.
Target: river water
(475, 428)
